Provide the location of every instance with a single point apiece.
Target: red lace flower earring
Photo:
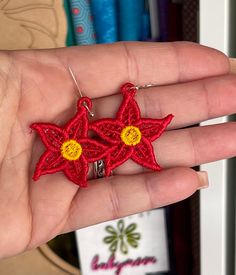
(130, 135)
(68, 148)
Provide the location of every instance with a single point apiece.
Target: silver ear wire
(75, 81)
(145, 86)
(79, 92)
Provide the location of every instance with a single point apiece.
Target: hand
(35, 86)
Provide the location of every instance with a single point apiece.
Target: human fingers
(101, 69)
(48, 91)
(119, 196)
(190, 147)
(9, 99)
(190, 103)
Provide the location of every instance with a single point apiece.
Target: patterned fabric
(83, 22)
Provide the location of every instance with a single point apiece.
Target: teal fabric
(82, 22)
(70, 38)
(130, 19)
(105, 20)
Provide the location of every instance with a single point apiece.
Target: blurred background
(186, 238)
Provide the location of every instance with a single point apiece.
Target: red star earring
(130, 135)
(68, 148)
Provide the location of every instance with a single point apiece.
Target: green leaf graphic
(111, 229)
(109, 239)
(122, 237)
(121, 225)
(131, 228)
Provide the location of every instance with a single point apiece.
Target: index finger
(101, 69)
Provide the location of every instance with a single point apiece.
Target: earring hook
(79, 91)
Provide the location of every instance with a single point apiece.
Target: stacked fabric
(108, 21)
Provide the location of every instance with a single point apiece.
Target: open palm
(35, 86)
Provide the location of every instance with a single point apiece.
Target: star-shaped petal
(129, 134)
(68, 149)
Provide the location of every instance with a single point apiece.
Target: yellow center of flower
(131, 135)
(71, 149)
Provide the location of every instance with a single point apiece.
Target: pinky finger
(119, 196)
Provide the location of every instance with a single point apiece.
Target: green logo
(121, 238)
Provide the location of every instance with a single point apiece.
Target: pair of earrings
(128, 136)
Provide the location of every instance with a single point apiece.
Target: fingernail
(203, 180)
(232, 62)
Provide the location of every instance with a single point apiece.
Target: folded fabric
(105, 20)
(83, 22)
(70, 39)
(130, 14)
